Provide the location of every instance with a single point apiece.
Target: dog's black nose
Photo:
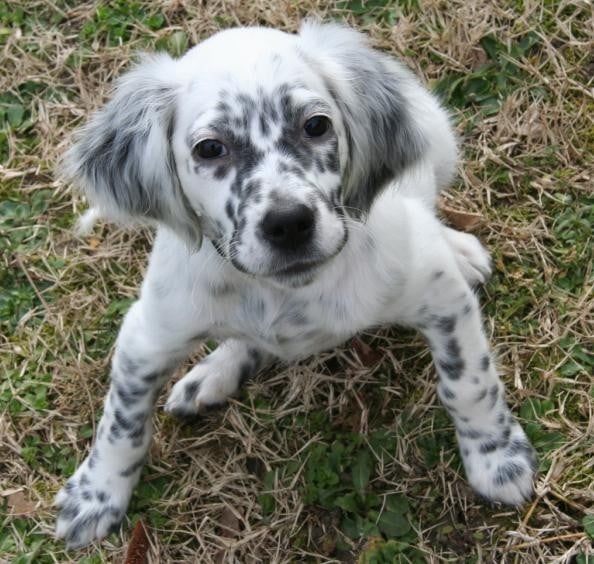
(288, 228)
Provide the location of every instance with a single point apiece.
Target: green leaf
(588, 524)
(369, 529)
(397, 503)
(393, 524)
(361, 471)
(348, 502)
(491, 46)
(156, 21)
(267, 501)
(15, 114)
(178, 43)
(350, 528)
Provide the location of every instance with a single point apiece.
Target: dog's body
(311, 165)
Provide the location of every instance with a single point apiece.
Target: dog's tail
(86, 222)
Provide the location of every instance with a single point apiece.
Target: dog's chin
(297, 274)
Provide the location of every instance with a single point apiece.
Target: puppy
(293, 180)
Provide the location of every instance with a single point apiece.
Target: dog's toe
(472, 258)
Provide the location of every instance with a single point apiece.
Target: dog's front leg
(497, 456)
(95, 498)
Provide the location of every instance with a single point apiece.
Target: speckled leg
(499, 460)
(95, 498)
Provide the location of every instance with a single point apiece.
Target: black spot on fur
(114, 433)
(453, 348)
(508, 472)
(331, 160)
(485, 361)
(264, 127)
(493, 395)
(132, 468)
(124, 423)
(93, 458)
(229, 210)
(489, 446)
(152, 377)
(446, 323)
(191, 391)
(447, 393)
(517, 446)
(453, 365)
(221, 171)
(137, 434)
(481, 395)
(129, 394)
(470, 433)
(452, 368)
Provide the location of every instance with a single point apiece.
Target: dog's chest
(289, 326)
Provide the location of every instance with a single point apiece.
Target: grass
(348, 456)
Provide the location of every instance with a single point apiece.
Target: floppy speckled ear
(123, 159)
(372, 91)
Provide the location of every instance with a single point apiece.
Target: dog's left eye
(316, 126)
(209, 149)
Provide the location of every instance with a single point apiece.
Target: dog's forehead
(246, 53)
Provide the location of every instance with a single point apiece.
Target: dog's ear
(123, 158)
(373, 94)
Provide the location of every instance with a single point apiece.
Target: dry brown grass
(528, 169)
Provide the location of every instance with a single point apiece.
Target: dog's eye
(316, 126)
(209, 149)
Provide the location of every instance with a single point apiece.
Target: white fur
(393, 263)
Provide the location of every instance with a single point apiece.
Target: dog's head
(264, 142)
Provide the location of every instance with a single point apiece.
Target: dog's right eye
(209, 149)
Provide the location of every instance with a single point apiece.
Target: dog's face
(262, 141)
(256, 145)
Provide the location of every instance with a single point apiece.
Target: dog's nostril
(303, 226)
(288, 228)
(277, 231)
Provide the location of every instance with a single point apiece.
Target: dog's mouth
(297, 269)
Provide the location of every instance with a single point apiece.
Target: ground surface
(346, 456)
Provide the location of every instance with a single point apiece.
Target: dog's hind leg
(473, 260)
(216, 378)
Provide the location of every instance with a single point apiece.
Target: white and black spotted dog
(293, 179)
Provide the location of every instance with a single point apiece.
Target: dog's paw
(202, 389)
(91, 504)
(472, 258)
(502, 469)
